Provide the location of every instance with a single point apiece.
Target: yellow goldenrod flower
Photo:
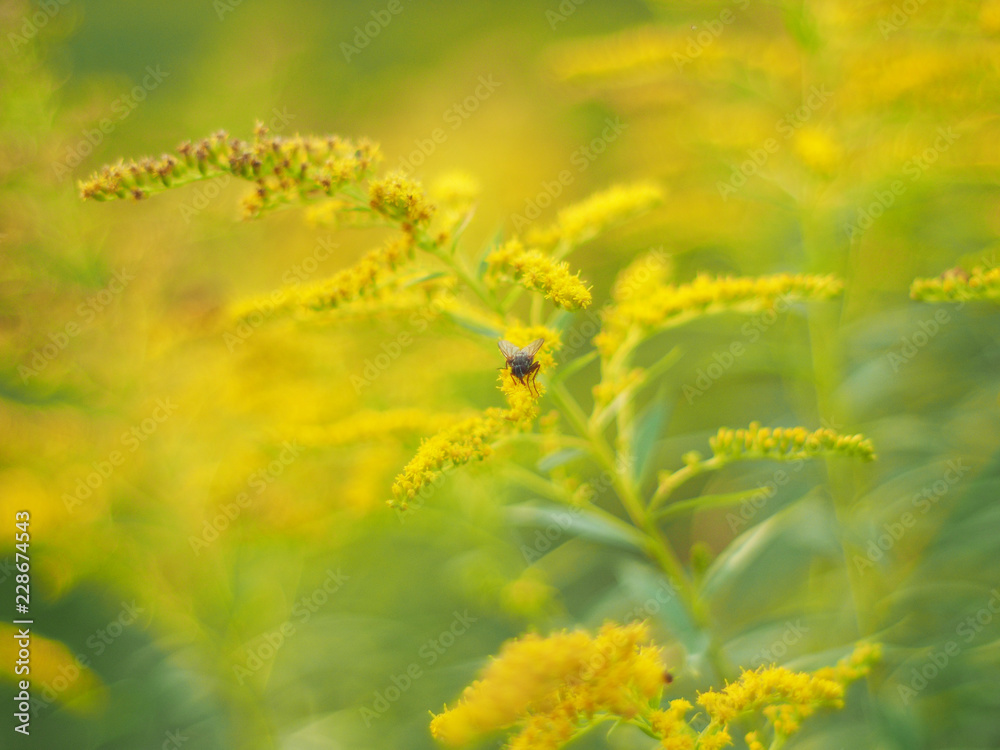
(787, 443)
(357, 280)
(582, 221)
(455, 189)
(674, 304)
(606, 391)
(454, 196)
(551, 685)
(642, 276)
(955, 285)
(538, 272)
(400, 199)
(284, 169)
(527, 596)
(469, 440)
(783, 696)
(715, 740)
(346, 285)
(552, 688)
(854, 666)
(672, 727)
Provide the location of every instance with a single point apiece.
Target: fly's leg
(532, 377)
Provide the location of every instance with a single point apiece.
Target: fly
(521, 362)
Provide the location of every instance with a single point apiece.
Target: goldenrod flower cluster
(400, 199)
(783, 696)
(955, 285)
(552, 686)
(362, 279)
(550, 689)
(787, 443)
(469, 440)
(673, 304)
(607, 390)
(538, 272)
(454, 196)
(582, 221)
(359, 279)
(642, 276)
(283, 169)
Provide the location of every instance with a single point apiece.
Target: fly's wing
(508, 349)
(533, 347)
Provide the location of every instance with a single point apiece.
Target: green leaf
(578, 522)
(656, 598)
(476, 326)
(559, 458)
(647, 432)
(769, 555)
(708, 501)
(574, 366)
(430, 276)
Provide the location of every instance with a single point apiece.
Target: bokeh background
(309, 616)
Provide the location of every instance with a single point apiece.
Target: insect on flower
(521, 362)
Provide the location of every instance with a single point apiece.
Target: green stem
(454, 262)
(670, 483)
(656, 546)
